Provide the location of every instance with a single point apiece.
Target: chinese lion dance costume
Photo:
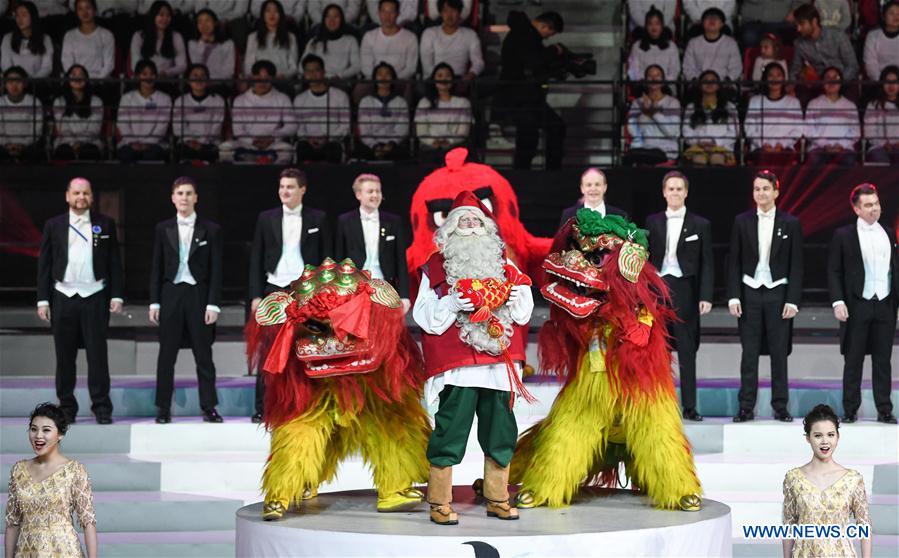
(343, 375)
(607, 339)
(434, 197)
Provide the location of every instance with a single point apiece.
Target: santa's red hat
(466, 199)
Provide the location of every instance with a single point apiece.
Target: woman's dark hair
(282, 36)
(720, 114)
(82, 108)
(260, 65)
(393, 78)
(645, 40)
(431, 89)
(148, 34)
(763, 87)
(820, 413)
(217, 35)
(143, 65)
(839, 73)
(323, 35)
(195, 66)
(666, 89)
(52, 412)
(36, 41)
(882, 100)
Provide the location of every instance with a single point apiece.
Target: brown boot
(496, 490)
(440, 496)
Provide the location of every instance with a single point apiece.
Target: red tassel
(515, 383)
(277, 358)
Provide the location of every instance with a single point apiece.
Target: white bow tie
(185, 222)
(679, 214)
(765, 215)
(292, 212)
(369, 218)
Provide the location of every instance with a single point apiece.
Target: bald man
(79, 282)
(593, 196)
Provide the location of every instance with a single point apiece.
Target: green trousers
(497, 430)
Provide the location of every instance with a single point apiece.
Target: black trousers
(528, 121)
(87, 319)
(762, 311)
(181, 307)
(685, 333)
(871, 324)
(260, 378)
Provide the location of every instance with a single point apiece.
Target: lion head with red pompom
(434, 196)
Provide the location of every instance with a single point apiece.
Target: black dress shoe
(783, 416)
(691, 414)
(257, 418)
(164, 416)
(886, 418)
(849, 418)
(104, 419)
(211, 415)
(744, 416)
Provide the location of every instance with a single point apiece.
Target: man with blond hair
(593, 196)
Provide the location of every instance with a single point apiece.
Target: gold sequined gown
(43, 511)
(805, 503)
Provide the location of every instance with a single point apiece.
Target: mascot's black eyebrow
(443, 205)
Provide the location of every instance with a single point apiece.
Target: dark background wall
(138, 197)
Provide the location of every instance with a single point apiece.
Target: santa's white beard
(478, 256)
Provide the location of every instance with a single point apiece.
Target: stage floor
(600, 523)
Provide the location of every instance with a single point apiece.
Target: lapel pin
(96, 229)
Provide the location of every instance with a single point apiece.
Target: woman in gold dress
(824, 492)
(43, 493)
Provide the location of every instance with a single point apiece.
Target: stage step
(115, 471)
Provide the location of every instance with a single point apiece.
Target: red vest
(447, 351)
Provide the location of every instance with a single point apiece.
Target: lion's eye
(439, 218)
(488, 204)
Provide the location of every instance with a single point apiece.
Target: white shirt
(290, 266)
(461, 50)
(73, 128)
(762, 277)
(96, 51)
(284, 59)
(875, 246)
(601, 208)
(723, 134)
(21, 122)
(881, 124)
(144, 119)
(880, 51)
(450, 120)
(675, 223)
(371, 233)
(722, 55)
(381, 123)
(400, 50)
(434, 317)
(254, 116)
(199, 120)
(771, 122)
(832, 122)
(219, 58)
(639, 60)
(341, 56)
(659, 130)
(79, 278)
(322, 116)
(37, 65)
(167, 67)
(185, 237)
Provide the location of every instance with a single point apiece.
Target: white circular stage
(600, 523)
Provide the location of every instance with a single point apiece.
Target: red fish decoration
(489, 294)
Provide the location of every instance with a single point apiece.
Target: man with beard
(472, 371)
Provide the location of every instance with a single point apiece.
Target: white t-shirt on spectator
(881, 124)
(167, 67)
(198, 119)
(660, 131)
(218, 57)
(723, 134)
(722, 55)
(322, 116)
(269, 115)
(382, 123)
(21, 122)
(461, 50)
(832, 122)
(284, 59)
(144, 120)
(770, 122)
(759, 66)
(37, 65)
(639, 60)
(637, 10)
(408, 11)
(400, 50)
(341, 57)
(450, 120)
(75, 129)
(96, 52)
(880, 52)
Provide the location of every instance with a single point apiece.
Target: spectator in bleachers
(390, 43)
(144, 117)
(760, 17)
(442, 120)
(293, 12)
(654, 45)
(432, 10)
(637, 10)
(713, 50)
(197, 118)
(234, 18)
(769, 52)
(159, 42)
(350, 10)
(21, 118)
(407, 12)
(836, 14)
(773, 121)
(384, 118)
(78, 118)
(882, 45)
(831, 124)
(336, 45)
(210, 48)
(882, 119)
(458, 46)
(819, 47)
(653, 122)
(273, 42)
(712, 126)
(695, 9)
(27, 46)
(89, 45)
(263, 120)
(323, 115)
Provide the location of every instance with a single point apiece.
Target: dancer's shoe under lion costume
(607, 337)
(343, 375)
